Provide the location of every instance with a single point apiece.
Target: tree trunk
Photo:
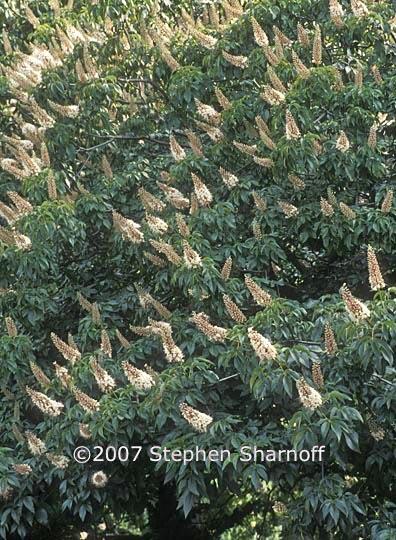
(169, 524)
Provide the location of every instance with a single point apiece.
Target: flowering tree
(197, 251)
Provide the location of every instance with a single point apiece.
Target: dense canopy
(197, 249)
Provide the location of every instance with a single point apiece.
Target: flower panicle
(36, 446)
(67, 111)
(166, 54)
(51, 186)
(288, 209)
(279, 507)
(269, 143)
(44, 403)
(128, 229)
(148, 301)
(336, 13)
(310, 398)
(326, 208)
(343, 143)
(272, 96)
(301, 68)
(260, 295)
(356, 310)
(89, 404)
(260, 36)
(11, 166)
(137, 377)
(174, 196)
(58, 461)
(192, 259)
(233, 310)
(259, 203)
(372, 138)
(386, 205)
(257, 233)
(12, 330)
(105, 344)
(84, 431)
(204, 196)
(213, 332)
(31, 17)
(63, 375)
(347, 211)
(22, 205)
(69, 353)
(199, 421)
(157, 261)
(15, 238)
(17, 434)
(375, 276)
(173, 354)
(84, 303)
(208, 113)
(177, 151)
(245, 148)
(106, 167)
(6, 42)
(317, 375)
(376, 431)
(237, 61)
(359, 8)
(296, 181)
(302, 35)
(233, 7)
(99, 479)
(377, 74)
(39, 374)
(229, 179)
(22, 468)
(275, 80)
(292, 131)
(261, 345)
(339, 83)
(123, 340)
(263, 162)
(284, 40)
(9, 213)
(359, 77)
(167, 250)
(214, 18)
(150, 202)
(317, 47)
(156, 224)
(226, 269)
(195, 143)
(209, 42)
(262, 125)
(330, 341)
(213, 132)
(103, 379)
(182, 225)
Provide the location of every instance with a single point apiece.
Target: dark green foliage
(127, 114)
